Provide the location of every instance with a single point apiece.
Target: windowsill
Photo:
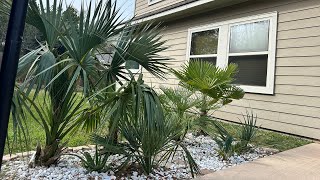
(135, 71)
(258, 89)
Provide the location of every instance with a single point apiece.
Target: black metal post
(9, 65)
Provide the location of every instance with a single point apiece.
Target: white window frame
(153, 2)
(224, 42)
(203, 55)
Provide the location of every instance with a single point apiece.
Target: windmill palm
(67, 60)
(212, 84)
(210, 80)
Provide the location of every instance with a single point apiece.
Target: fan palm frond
(210, 80)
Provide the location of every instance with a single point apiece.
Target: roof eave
(185, 8)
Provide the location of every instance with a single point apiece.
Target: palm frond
(5, 7)
(210, 80)
(141, 44)
(47, 18)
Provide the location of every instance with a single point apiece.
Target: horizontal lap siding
(295, 107)
(142, 6)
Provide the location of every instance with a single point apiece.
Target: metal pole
(9, 65)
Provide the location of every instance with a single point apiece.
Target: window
(248, 42)
(133, 66)
(150, 2)
(204, 45)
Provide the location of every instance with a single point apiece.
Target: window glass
(249, 42)
(251, 37)
(205, 42)
(252, 69)
(132, 65)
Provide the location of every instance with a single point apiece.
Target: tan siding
(295, 107)
(299, 42)
(298, 71)
(298, 90)
(297, 24)
(298, 80)
(299, 33)
(286, 99)
(299, 61)
(275, 125)
(142, 6)
(275, 116)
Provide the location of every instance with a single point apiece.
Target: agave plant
(67, 60)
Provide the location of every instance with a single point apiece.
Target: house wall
(295, 106)
(142, 6)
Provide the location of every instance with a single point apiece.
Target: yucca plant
(67, 61)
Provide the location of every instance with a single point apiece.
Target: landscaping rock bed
(203, 150)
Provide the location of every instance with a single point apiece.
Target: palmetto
(66, 61)
(150, 135)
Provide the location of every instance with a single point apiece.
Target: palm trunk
(52, 150)
(49, 155)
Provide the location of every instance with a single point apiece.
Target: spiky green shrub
(97, 162)
(230, 144)
(149, 135)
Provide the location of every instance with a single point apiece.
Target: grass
(271, 139)
(37, 134)
(263, 138)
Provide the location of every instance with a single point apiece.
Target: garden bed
(203, 150)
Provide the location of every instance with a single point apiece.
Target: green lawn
(264, 138)
(37, 135)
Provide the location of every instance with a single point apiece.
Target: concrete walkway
(301, 163)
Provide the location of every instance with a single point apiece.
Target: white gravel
(203, 150)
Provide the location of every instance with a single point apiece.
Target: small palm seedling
(178, 103)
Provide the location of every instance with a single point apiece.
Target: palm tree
(212, 84)
(210, 80)
(67, 61)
